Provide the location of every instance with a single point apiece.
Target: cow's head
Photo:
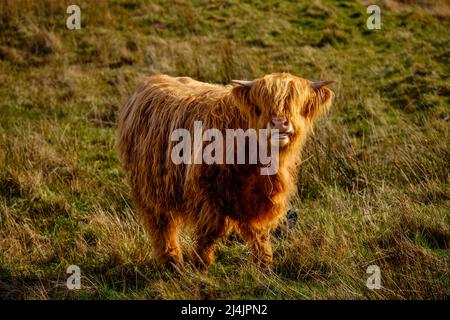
(284, 102)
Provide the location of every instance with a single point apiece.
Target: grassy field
(374, 186)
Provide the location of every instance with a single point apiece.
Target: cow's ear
(319, 101)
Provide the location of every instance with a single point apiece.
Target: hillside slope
(374, 185)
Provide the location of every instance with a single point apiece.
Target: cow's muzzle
(282, 137)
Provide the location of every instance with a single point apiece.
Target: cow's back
(160, 105)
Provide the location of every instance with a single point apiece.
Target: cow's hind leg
(207, 235)
(259, 240)
(163, 230)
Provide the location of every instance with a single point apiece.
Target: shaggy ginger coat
(215, 197)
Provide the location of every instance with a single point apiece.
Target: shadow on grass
(108, 280)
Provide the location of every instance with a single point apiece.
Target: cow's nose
(280, 123)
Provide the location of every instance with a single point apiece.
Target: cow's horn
(245, 83)
(319, 84)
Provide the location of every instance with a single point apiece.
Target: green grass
(374, 185)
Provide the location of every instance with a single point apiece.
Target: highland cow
(214, 198)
